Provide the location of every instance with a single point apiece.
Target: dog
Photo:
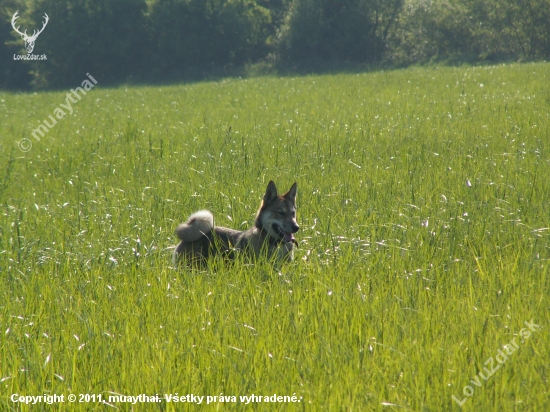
(272, 234)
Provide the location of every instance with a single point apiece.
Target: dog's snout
(295, 228)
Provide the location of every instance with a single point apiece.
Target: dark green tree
(471, 30)
(189, 34)
(337, 30)
(14, 74)
(105, 38)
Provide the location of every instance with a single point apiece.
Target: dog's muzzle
(286, 236)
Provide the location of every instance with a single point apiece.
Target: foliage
(102, 37)
(350, 30)
(197, 33)
(473, 30)
(163, 40)
(11, 75)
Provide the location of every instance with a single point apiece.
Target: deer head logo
(29, 40)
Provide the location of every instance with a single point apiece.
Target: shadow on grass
(191, 75)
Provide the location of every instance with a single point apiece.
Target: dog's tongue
(288, 237)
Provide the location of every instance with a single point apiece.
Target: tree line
(162, 40)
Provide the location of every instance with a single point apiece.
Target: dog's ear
(270, 192)
(291, 194)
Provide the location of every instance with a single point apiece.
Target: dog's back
(197, 225)
(200, 238)
(195, 235)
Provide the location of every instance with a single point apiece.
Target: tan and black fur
(272, 233)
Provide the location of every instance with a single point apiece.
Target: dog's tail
(198, 224)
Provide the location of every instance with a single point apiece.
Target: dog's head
(277, 215)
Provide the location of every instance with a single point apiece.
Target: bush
(473, 30)
(207, 33)
(121, 40)
(103, 37)
(337, 30)
(14, 74)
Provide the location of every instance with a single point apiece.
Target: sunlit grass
(423, 202)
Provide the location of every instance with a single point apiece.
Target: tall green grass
(423, 202)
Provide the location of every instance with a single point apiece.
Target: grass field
(423, 201)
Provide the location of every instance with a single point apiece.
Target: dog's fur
(272, 233)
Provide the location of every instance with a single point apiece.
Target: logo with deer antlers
(29, 40)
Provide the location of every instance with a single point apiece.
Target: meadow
(423, 202)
